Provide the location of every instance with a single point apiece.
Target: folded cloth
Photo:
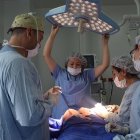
(55, 124)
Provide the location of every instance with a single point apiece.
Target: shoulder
(16, 63)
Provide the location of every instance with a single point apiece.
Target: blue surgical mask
(73, 71)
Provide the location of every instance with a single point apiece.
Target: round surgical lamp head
(83, 14)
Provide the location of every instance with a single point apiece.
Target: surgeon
(124, 76)
(24, 110)
(135, 109)
(74, 79)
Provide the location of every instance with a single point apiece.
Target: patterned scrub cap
(80, 57)
(29, 20)
(124, 62)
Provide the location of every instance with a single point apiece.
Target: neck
(131, 81)
(18, 47)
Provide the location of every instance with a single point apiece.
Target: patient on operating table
(76, 122)
(86, 112)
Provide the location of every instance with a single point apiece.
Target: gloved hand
(53, 94)
(112, 108)
(113, 127)
(119, 137)
(127, 137)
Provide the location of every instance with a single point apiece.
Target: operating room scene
(70, 70)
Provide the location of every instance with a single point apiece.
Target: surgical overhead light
(84, 14)
(133, 20)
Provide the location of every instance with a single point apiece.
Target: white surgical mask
(33, 52)
(120, 84)
(136, 65)
(73, 71)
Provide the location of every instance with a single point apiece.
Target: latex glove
(119, 137)
(127, 137)
(53, 94)
(69, 113)
(113, 127)
(100, 110)
(112, 108)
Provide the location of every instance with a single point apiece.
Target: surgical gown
(22, 114)
(75, 90)
(126, 107)
(134, 115)
(135, 110)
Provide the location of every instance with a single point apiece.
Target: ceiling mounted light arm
(133, 20)
(81, 24)
(84, 14)
(138, 6)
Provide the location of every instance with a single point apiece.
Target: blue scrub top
(75, 90)
(22, 115)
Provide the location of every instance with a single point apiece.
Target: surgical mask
(33, 52)
(136, 65)
(73, 71)
(120, 84)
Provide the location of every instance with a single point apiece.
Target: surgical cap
(137, 40)
(28, 20)
(80, 57)
(124, 62)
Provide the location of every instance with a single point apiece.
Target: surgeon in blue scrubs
(24, 110)
(74, 80)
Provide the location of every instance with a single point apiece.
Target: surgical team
(25, 109)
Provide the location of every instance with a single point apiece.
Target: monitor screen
(90, 60)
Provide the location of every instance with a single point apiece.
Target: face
(136, 53)
(120, 75)
(33, 39)
(74, 63)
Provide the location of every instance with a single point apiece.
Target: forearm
(48, 46)
(106, 56)
(47, 52)
(50, 41)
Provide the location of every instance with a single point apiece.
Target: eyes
(114, 73)
(77, 65)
